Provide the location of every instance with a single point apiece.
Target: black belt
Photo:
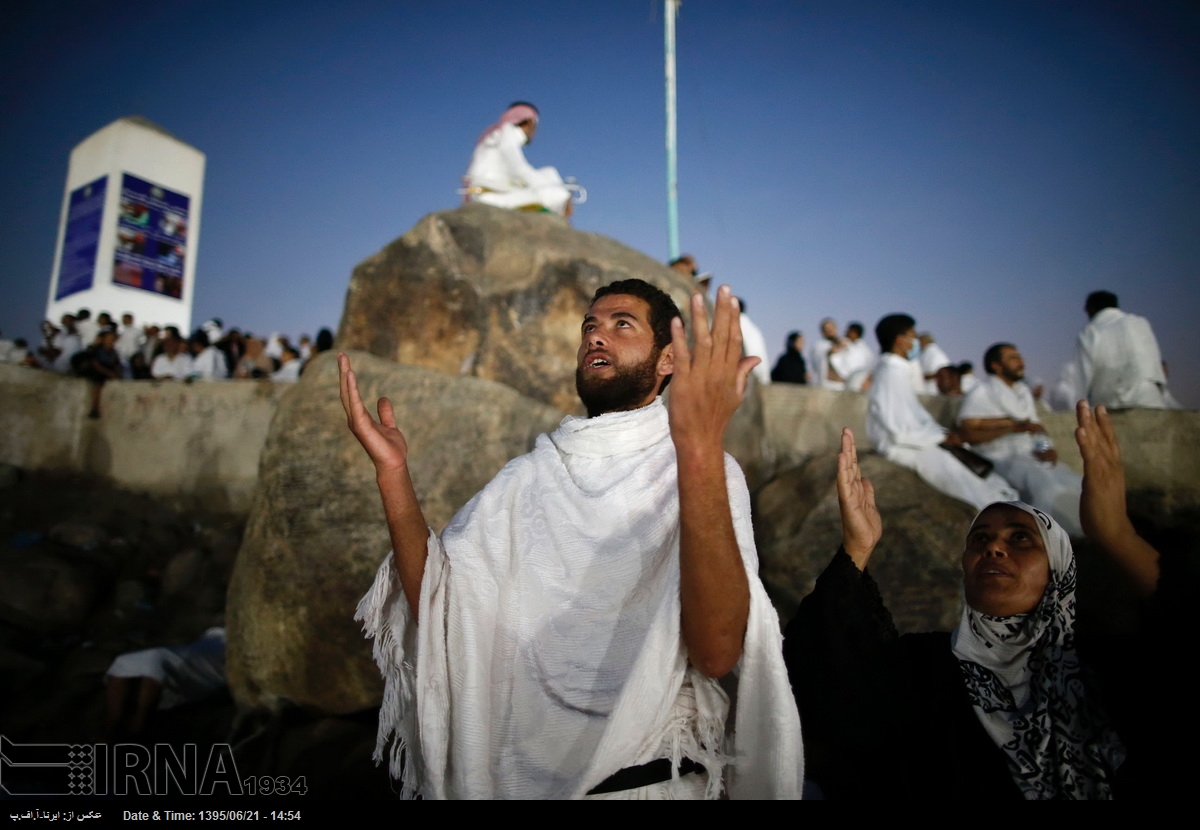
(643, 775)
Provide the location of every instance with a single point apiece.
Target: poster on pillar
(152, 227)
(81, 239)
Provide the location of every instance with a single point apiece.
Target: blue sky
(982, 166)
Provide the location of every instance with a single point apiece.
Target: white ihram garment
(854, 363)
(821, 358)
(1053, 488)
(906, 434)
(1120, 365)
(933, 358)
(549, 654)
(498, 166)
(755, 345)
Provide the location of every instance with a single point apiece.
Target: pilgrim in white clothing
(549, 654)
(178, 367)
(1052, 487)
(827, 345)
(906, 434)
(854, 363)
(1119, 363)
(754, 344)
(209, 364)
(575, 614)
(499, 174)
(933, 358)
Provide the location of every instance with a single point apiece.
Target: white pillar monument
(130, 226)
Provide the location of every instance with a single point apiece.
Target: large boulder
(798, 529)
(316, 533)
(500, 294)
(491, 293)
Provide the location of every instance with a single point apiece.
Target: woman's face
(1005, 567)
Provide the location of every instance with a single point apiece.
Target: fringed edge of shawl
(383, 612)
(702, 738)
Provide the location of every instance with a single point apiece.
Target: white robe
(1054, 488)
(905, 433)
(933, 358)
(820, 366)
(129, 342)
(507, 180)
(549, 654)
(178, 367)
(854, 363)
(209, 365)
(68, 345)
(1119, 364)
(755, 345)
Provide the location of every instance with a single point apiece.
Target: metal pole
(670, 9)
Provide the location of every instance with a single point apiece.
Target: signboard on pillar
(130, 226)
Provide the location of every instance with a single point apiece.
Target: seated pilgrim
(1002, 707)
(1000, 419)
(904, 432)
(499, 174)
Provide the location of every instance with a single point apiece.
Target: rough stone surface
(798, 529)
(316, 534)
(491, 293)
(47, 591)
(199, 440)
(746, 437)
(78, 534)
(9, 476)
(45, 419)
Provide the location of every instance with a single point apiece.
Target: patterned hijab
(1030, 692)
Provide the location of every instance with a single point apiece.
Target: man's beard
(627, 389)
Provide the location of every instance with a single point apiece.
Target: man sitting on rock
(824, 371)
(576, 614)
(906, 434)
(499, 174)
(1118, 362)
(854, 362)
(1000, 420)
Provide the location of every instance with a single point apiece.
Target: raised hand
(1102, 510)
(709, 379)
(383, 441)
(706, 389)
(1102, 506)
(388, 449)
(862, 526)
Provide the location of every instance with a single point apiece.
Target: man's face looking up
(618, 366)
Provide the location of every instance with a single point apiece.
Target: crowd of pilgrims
(101, 349)
(844, 362)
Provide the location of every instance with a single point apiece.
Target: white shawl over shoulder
(549, 654)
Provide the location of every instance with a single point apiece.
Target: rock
(78, 534)
(47, 592)
(9, 476)
(182, 572)
(746, 437)
(798, 529)
(128, 593)
(491, 293)
(499, 294)
(316, 533)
